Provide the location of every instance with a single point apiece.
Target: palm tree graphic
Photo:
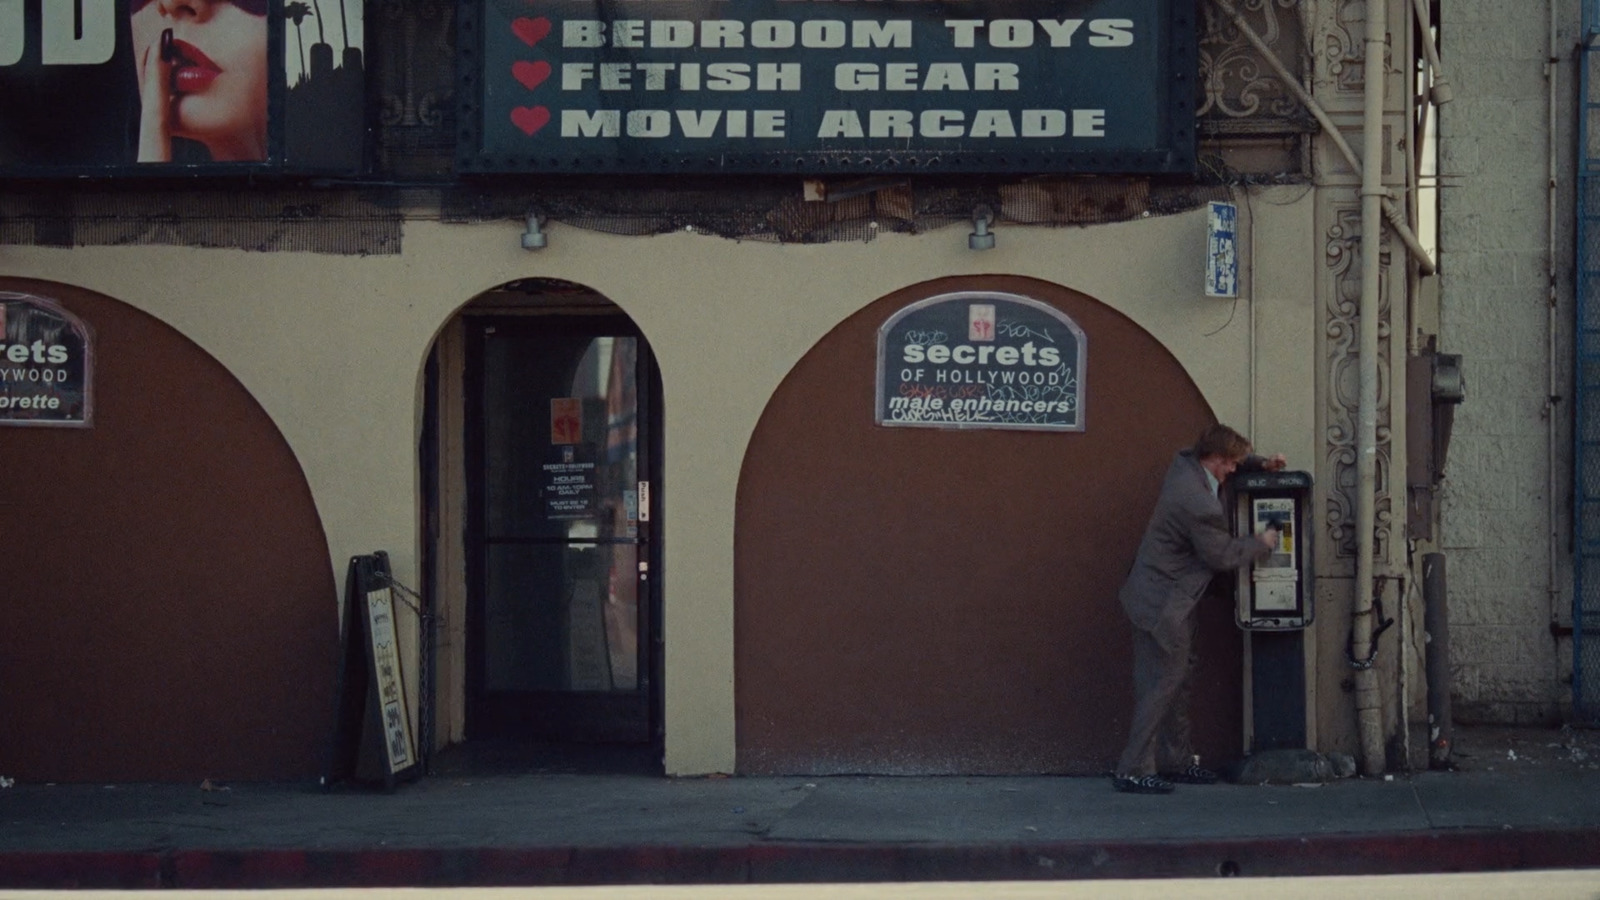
(297, 12)
(344, 26)
(321, 38)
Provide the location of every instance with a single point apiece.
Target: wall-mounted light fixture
(533, 238)
(981, 238)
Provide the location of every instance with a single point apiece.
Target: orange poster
(566, 420)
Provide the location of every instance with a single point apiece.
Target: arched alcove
(939, 601)
(170, 610)
(541, 413)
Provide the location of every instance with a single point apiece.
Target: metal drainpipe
(1369, 703)
(1329, 130)
(1439, 86)
(1436, 622)
(1552, 394)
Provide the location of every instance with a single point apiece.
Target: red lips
(192, 71)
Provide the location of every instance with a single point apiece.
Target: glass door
(561, 618)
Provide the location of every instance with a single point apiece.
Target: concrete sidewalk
(1497, 814)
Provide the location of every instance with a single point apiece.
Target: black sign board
(46, 364)
(372, 737)
(165, 87)
(981, 360)
(785, 86)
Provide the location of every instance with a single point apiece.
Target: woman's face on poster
(218, 79)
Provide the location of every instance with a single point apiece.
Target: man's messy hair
(1220, 440)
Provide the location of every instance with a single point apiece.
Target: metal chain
(407, 596)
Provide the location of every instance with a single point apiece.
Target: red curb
(1363, 854)
(87, 869)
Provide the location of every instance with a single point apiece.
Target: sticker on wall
(46, 364)
(1222, 251)
(980, 322)
(981, 360)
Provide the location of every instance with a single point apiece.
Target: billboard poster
(784, 86)
(979, 359)
(162, 87)
(46, 364)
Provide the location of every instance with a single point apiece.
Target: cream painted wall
(332, 348)
(1279, 240)
(1281, 243)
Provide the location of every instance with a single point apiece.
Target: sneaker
(1141, 784)
(1192, 774)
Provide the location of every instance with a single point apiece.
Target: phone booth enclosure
(1274, 605)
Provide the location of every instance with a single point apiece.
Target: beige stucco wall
(332, 348)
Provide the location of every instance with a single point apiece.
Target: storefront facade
(755, 576)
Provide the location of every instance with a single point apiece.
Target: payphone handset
(1276, 595)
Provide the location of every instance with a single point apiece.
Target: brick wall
(1495, 266)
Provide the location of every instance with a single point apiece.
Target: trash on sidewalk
(1291, 767)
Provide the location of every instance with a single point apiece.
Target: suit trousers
(1158, 740)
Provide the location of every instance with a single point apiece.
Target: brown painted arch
(170, 613)
(926, 601)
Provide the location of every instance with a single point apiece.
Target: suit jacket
(1185, 544)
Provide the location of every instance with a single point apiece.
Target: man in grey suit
(1185, 544)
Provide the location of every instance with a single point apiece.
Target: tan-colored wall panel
(168, 602)
(332, 348)
(938, 601)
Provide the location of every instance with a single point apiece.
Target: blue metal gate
(1586, 427)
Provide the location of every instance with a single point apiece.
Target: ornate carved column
(1338, 85)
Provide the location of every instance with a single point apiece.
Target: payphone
(1274, 605)
(1276, 593)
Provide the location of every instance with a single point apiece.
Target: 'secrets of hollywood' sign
(46, 364)
(981, 359)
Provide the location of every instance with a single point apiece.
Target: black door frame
(651, 664)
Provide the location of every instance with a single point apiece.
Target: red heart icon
(530, 118)
(531, 74)
(531, 31)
